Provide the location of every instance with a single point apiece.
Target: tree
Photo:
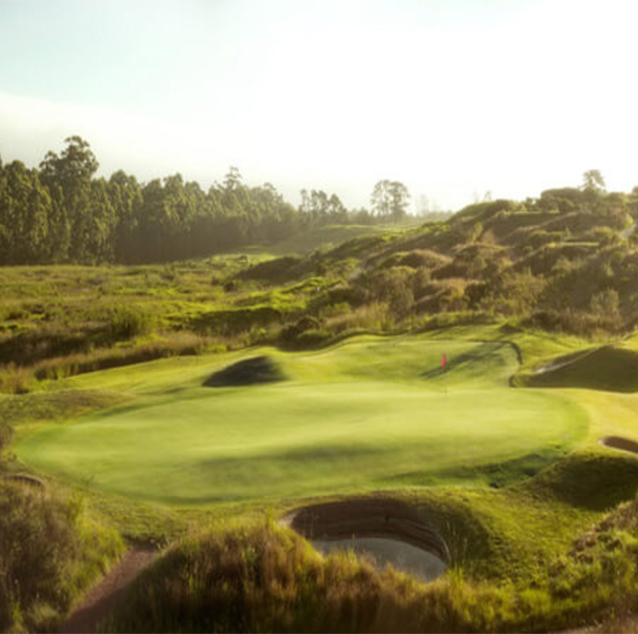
(233, 179)
(68, 177)
(593, 180)
(25, 211)
(125, 194)
(390, 199)
(76, 165)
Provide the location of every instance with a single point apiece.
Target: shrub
(6, 432)
(394, 286)
(373, 316)
(125, 322)
(606, 302)
(273, 271)
(312, 338)
(236, 320)
(574, 322)
(291, 333)
(15, 379)
(49, 551)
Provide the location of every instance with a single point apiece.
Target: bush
(235, 320)
(313, 338)
(124, 322)
(291, 333)
(394, 286)
(606, 302)
(274, 271)
(574, 322)
(6, 433)
(49, 551)
(15, 379)
(373, 316)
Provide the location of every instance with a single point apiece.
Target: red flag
(443, 361)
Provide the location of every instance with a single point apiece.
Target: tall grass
(23, 379)
(50, 550)
(263, 577)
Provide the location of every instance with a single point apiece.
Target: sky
(454, 98)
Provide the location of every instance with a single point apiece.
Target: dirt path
(101, 599)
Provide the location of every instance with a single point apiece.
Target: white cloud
(513, 100)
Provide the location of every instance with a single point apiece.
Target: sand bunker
(23, 478)
(387, 530)
(618, 442)
(246, 372)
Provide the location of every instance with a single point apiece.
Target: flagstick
(444, 366)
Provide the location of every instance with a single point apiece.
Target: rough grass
(51, 550)
(55, 406)
(264, 578)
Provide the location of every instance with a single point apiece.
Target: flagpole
(444, 366)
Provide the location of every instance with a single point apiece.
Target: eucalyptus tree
(390, 199)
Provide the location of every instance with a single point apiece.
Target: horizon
(461, 99)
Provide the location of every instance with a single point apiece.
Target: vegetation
(61, 213)
(50, 551)
(102, 396)
(264, 578)
(368, 414)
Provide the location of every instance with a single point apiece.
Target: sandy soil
(101, 599)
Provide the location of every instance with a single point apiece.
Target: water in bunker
(405, 557)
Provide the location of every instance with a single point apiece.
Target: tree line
(62, 213)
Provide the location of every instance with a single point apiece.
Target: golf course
(222, 413)
(371, 413)
(425, 451)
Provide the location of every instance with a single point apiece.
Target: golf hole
(383, 530)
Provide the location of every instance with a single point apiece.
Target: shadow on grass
(478, 354)
(496, 475)
(591, 481)
(609, 369)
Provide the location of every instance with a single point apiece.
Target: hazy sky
(452, 97)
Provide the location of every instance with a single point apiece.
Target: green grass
(509, 477)
(331, 235)
(370, 413)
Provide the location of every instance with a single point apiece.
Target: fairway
(369, 414)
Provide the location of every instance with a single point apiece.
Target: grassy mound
(247, 372)
(608, 368)
(261, 577)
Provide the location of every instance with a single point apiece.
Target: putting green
(369, 414)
